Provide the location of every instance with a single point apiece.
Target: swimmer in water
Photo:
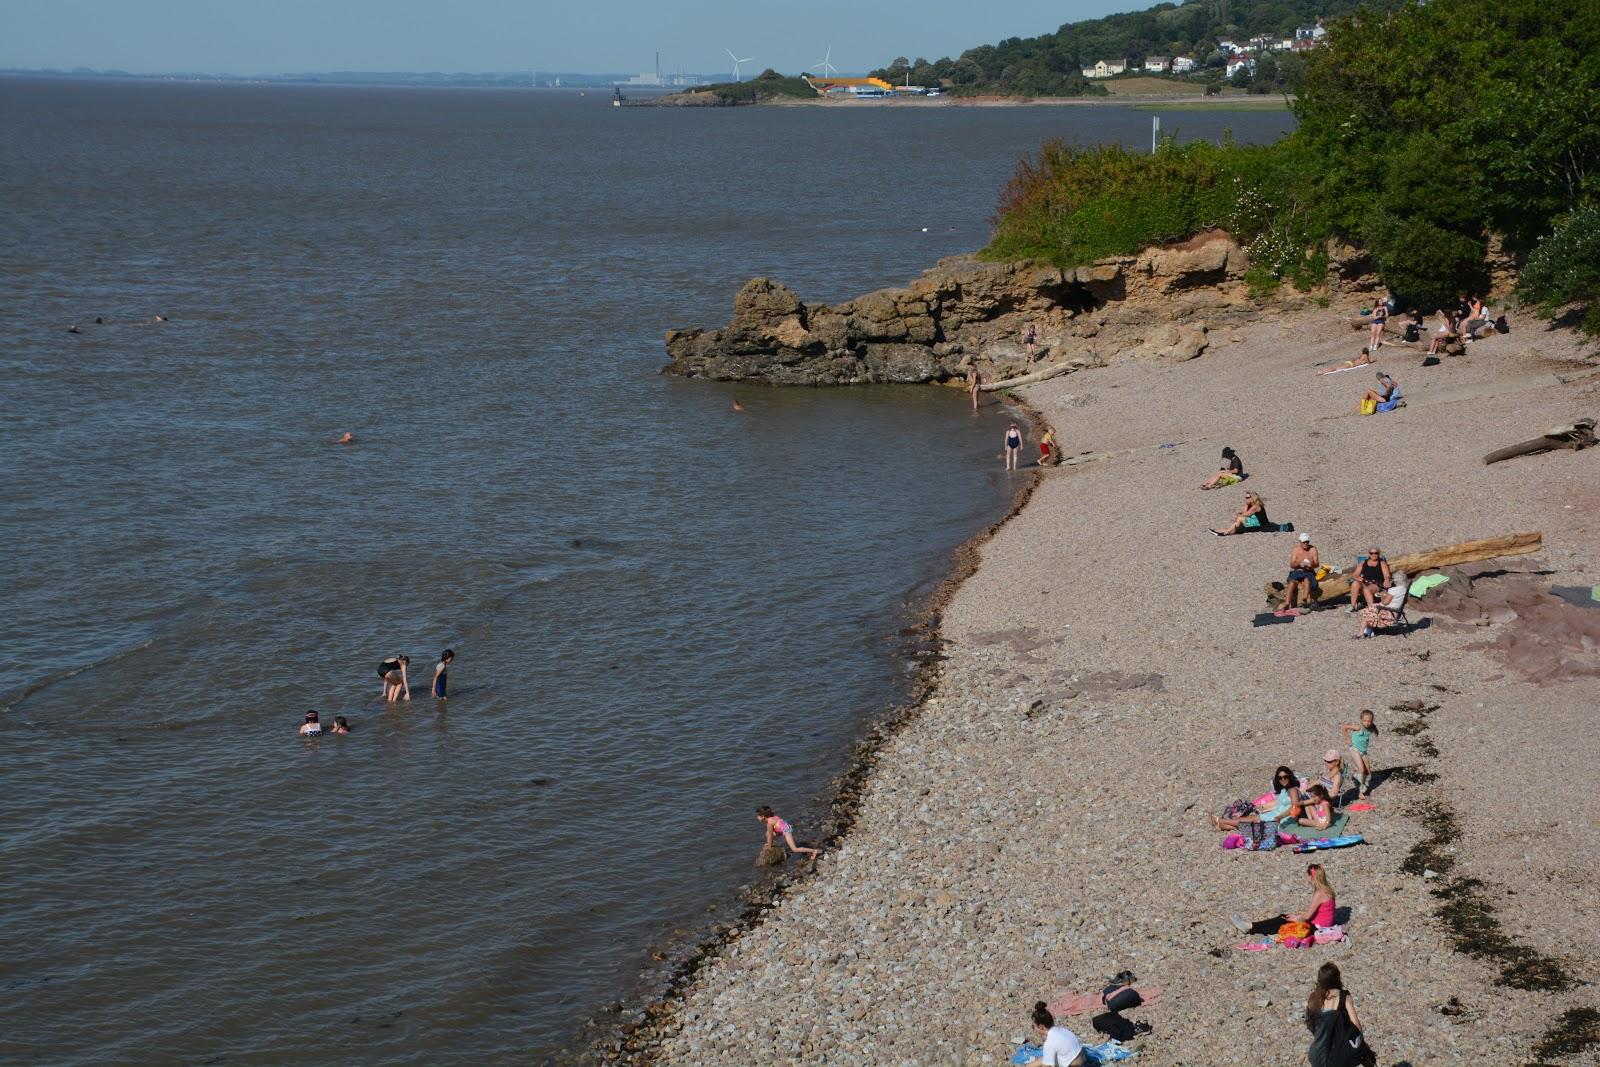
(348, 438)
(441, 674)
(98, 321)
(311, 727)
(974, 383)
(159, 318)
(395, 683)
(1013, 446)
(736, 406)
(341, 725)
(74, 328)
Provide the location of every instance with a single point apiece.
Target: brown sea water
(664, 612)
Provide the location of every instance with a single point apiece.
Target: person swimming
(341, 725)
(311, 727)
(348, 438)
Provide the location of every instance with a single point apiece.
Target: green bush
(1564, 267)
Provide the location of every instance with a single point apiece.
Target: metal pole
(1155, 133)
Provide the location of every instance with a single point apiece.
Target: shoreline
(664, 989)
(1004, 672)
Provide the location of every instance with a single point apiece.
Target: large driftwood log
(1036, 377)
(1337, 586)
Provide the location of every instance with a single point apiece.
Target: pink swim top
(777, 825)
(1323, 916)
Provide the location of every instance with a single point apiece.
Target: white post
(1155, 133)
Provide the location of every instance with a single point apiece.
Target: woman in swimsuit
(441, 674)
(395, 682)
(1319, 914)
(311, 727)
(776, 826)
(1363, 360)
(974, 384)
(341, 725)
(1013, 446)
(1380, 316)
(1253, 517)
(1371, 578)
(1285, 795)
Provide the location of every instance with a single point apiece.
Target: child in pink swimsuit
(776, 826)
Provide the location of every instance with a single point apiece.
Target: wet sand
(1040, 824)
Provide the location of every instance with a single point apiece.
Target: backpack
(1501, 325)
(1412, 333)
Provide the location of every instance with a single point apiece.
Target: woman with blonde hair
(1253, 516)
(1319, 915)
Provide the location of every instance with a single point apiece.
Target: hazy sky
(276, 36)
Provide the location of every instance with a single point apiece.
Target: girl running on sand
(1360, 737)
(776, 826)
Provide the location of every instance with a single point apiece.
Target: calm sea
(664, 612)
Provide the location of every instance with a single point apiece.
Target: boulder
(771, 856)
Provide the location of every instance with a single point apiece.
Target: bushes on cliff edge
(1422, 129)
(1565, 267)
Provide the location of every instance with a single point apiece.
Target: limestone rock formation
(965, 312)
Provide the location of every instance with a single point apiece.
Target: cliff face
(1160, 303)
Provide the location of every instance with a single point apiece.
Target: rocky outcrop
(1158, 304)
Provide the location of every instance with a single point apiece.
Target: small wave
(17, 696)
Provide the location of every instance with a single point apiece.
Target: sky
(598, 36)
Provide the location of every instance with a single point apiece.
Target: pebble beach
(1039, 824)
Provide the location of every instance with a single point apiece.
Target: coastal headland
(1038, 822)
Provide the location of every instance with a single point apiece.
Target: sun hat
(1330, 755)
(1305, 537)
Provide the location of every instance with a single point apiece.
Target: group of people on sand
(1304, 803)
(1377, 590)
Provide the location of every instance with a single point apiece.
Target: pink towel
(1361, 805)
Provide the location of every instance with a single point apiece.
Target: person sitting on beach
(1332, 775)
(395, 682)
(1384, 615)
(1414, 326)
(1253, 516)
(1444, 334)
(1301, 583)
(1060, 1046)
(776, 826)
(1320, 913)
(1386, 397)
(341, 725)
(1370, 579)
(1230, 473)
(1285, 795)
(1313, 812)
(1363, 360)
(311, 727)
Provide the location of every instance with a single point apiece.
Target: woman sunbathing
(1285, 796)
(1319, 914)
(1363, 360)
(1252, 517)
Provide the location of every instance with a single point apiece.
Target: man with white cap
(1303, 564)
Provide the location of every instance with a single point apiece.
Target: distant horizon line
(401, 76)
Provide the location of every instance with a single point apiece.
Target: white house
(1182, 64)
(1284, 45)
(1228, 46)
(1158, 64)
(1106, 68)
(1241, 61)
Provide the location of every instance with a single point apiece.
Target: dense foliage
(1052, 64)
(1422, 131)
(765, 86)
(1565, 267)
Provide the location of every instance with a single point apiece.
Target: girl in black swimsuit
(1013, 447)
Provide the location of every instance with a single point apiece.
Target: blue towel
(1107, 1052)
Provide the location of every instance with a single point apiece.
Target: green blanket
(1311, 833)
(1421, 586)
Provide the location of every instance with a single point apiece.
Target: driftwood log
(1579, 435)
(1337, 586)
(1053, 371)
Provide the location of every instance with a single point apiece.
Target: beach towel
(1321, 936)
(1092, 1003)
(1330, 842)
(1105, 1052)
(1267, 618)
(1309, 833)
(1420, 586)
(1578, 596)
(1361, 805)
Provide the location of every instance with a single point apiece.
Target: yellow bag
(1369, 406)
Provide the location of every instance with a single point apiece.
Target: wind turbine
(736, 62)
(826, 67)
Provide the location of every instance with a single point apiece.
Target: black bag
(1349, 1048)
(1413, 335)
(1501, 325)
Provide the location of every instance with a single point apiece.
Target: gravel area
(1040, 825)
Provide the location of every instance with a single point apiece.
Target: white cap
(1305, 537)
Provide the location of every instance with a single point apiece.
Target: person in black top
(1370, 579)
(1230, 473)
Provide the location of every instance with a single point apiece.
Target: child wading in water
(1360, 737)
(775, 825)
(441, 674)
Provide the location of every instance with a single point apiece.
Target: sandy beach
(1041, 824)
